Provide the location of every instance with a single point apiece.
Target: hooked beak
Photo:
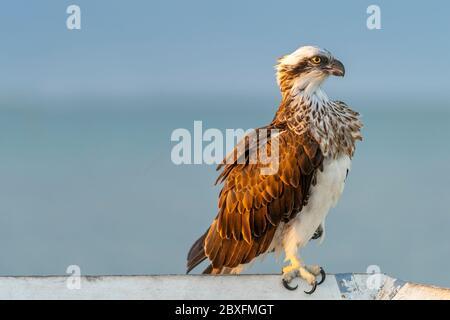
(336, 68)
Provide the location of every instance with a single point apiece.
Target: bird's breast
(322, 197)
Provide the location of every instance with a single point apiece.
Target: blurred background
(86, 118)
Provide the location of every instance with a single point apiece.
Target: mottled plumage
(316, 137)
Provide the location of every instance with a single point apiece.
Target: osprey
(280, 212)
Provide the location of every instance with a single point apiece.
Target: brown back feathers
(252, 205)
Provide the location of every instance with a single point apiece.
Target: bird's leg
(296, 269)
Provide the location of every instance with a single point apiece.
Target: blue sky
(147, 48)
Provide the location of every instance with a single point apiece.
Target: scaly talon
(313, 288)
(323, 274)
(307, 273)
(291, 272)
(287, 286)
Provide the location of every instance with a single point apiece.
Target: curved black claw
(287, 286)
(313, 288)
(323, 274)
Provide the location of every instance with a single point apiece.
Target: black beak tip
(337, 68)
(340, 73)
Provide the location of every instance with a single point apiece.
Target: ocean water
(92, 184)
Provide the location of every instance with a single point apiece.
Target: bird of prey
(281, 212)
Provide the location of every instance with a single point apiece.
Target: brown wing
(251, 204)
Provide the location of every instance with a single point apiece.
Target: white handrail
(254, 287)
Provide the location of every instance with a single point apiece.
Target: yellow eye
(316, 60)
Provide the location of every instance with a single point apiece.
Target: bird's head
(306, 69)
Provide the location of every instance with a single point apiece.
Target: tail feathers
(196, 254)
(208, 270)
(211, 270)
